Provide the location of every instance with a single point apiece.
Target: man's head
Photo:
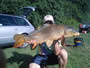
(48, 19)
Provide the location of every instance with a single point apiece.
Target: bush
(70, 12)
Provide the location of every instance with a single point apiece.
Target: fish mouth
(19, 43)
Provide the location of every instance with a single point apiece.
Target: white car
(11, 25)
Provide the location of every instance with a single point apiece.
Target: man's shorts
(40, 59)
(43, 60)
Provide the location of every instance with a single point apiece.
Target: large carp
(47, 33)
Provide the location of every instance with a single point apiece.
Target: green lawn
(79, 57)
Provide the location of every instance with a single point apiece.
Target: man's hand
(57, 48)
(31, 42)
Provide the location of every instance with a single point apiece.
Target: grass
(79, 57)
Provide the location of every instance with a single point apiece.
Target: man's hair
(48, 22)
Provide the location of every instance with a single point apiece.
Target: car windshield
(12, 21)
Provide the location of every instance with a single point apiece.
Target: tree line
(70, 12)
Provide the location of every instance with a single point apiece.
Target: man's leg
(38, 61)
(34, 65)
(62, 55)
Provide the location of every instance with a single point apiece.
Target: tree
(64, 11)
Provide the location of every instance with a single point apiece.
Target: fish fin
(19, 43)
(34, 45)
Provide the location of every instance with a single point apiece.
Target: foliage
(11, 6)
(62, 10)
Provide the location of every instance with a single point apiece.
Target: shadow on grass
(22, 59)
(4, 47)
(72, 45)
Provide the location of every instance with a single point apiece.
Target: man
(41, 59)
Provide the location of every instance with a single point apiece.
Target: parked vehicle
(84, 28)
(11, 25)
